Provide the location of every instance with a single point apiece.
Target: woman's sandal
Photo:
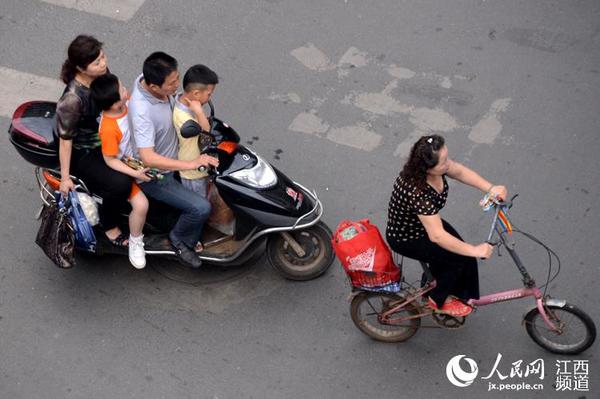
(454, 307)
(120, 241)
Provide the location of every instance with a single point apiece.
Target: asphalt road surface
(332, 93)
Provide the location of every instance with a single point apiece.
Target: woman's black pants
(114, 187)
(454, 274)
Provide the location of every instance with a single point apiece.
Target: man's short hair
(198, 77)
(157, 67)
(105, 91)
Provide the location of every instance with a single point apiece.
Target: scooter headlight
(260, 175)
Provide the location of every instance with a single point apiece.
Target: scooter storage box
(32, 133)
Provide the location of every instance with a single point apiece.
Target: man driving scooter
(151, 107)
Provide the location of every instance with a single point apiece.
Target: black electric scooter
(268, 208)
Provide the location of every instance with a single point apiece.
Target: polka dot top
(406, 203)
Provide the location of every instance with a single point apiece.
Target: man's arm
(143, 134)
(154, 160)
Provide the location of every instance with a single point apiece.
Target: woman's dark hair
(157, 67)
(424, 155)
(105, 91)
(199, 75)
(81, 52)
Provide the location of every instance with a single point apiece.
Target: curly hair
(424, 155)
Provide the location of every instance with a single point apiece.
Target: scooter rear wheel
(315, 241)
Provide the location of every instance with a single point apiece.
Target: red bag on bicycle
(363, 253)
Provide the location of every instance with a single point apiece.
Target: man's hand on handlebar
(483, 251)
(206, 161)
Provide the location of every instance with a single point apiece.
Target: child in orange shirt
(111, 96)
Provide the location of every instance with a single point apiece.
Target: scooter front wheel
(318, 254)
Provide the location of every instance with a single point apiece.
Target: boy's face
(124, 95)
(203, 95)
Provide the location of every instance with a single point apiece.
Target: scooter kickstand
(294, 244)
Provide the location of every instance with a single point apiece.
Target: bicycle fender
(556, 302)
(549, 301)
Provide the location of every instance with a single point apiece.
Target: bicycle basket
(364, 255)
(375, 281)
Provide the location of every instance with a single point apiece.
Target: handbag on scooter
(364, 255)
(55, 235)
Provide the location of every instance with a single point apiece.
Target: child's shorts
(135, 189)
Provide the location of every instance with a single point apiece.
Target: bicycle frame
(529, 283)
(530, 288)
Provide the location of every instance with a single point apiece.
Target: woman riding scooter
(77, 126)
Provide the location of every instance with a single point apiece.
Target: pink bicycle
(554, 324)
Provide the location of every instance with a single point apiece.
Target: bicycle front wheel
(576, 330)
(367, 309)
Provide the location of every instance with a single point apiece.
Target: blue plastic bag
(85, 239)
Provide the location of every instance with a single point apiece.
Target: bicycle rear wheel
(577, 329)
(367, 309)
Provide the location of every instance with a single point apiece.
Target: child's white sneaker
(137, 255)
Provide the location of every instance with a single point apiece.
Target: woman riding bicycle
(416, 230)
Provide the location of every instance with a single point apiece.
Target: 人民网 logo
(459, 377)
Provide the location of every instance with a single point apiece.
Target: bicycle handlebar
(487, 203)
(508, 203)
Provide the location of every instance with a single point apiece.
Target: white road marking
(401, 73)
(358, 136)
(285, 98)
(308, 122)
(19, 87)
(354, 57)
(489, 127)
(355, 136)
(313, 58)
(432, 119)
(121, 10)
(424, 120)
(446, 83)
(381, 103)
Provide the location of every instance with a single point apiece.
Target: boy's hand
(196, 107)
(141, 175)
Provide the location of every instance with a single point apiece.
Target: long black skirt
(454, 274)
